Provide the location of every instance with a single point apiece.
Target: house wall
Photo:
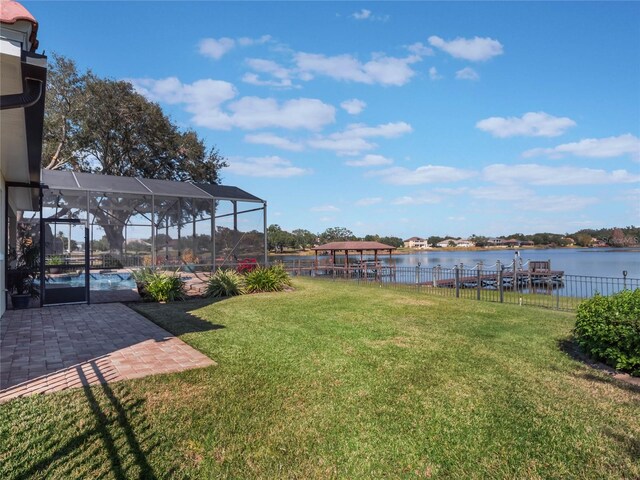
(3, 240)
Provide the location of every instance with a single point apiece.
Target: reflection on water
(573, 261)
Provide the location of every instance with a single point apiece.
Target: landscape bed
(334, 380)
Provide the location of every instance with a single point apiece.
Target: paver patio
(54, 348)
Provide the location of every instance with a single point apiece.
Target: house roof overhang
(23, 75)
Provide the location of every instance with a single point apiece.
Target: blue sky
(416, 118)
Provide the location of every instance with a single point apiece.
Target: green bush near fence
(156, 286)
(267, 279)
(225, 283)
(608, 329)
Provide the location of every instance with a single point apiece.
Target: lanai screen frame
(94, 186)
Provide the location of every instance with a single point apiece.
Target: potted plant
(22, 277)
(54, 263)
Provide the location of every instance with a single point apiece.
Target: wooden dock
(520, 278)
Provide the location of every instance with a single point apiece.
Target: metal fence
(504, 284)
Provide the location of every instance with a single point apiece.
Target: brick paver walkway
(54, 348)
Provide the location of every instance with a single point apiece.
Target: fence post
(418, 274)
(500, 282)
(479, 281)
(457, 274)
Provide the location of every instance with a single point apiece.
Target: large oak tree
(100, 125)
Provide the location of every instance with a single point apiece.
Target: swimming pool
(97, 281)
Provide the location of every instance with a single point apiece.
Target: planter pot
(20, 302)
(142, 290)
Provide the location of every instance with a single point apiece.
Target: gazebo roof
(357, 246)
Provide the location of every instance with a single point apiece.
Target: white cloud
(609, 147)
(467, 73)
(366, 202)
(274, 141)
(421, 199)
(254, 79)
(363, 14)
(522, 198)
(206, 93)
(501, 193)
(246, 41)
(325, 208)
(534, 174)
(217, 48)
(531, 124)
(422, 175)
(556, 203)
(420, 49)
(270, 167)
(475, 49)
(306, 113)
(212, 48)
(341, 145)
(370, 161)
(381, 69)
(281, 74)
(204, 99)
(353, 106)
(352, 140)
(433, 74)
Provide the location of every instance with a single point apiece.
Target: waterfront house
(416, 242)
(458, 243)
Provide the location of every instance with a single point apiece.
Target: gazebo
(358, 248)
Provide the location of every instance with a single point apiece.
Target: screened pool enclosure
(93, 230)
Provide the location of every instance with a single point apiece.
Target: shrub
(225, 283)
(159, 286)
(608, 328)
(271, 279)
(55, 260)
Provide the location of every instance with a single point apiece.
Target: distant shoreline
(411, 251)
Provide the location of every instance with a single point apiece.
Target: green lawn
(342, 381)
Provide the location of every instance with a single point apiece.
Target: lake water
(598, 262)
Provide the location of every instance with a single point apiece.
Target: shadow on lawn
(626, 441)
(177, 317)
(569, 347)
(114, 426)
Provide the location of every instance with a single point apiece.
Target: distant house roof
(414, 239)
(333, 246)
(12, 12)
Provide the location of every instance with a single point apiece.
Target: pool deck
(50, 349)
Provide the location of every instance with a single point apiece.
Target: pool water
(97, 281)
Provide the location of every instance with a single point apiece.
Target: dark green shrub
(270, 279)
(159, 286)
(608, 329)
(225, 283)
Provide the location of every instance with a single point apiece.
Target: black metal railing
(536, 287)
